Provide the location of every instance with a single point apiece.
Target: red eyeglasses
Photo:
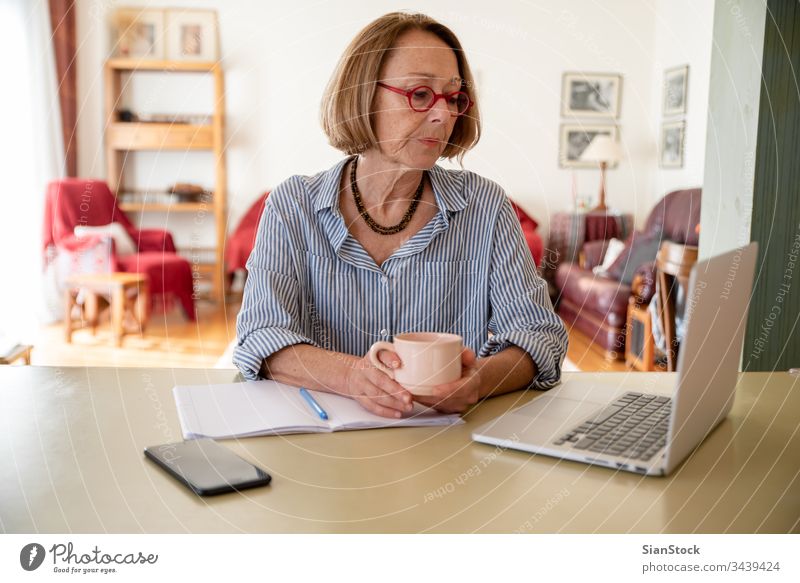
(423, 98)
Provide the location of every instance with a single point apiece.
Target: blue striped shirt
(467, 272)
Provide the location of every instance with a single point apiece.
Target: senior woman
(386, 241)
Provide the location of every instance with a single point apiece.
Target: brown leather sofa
(597, 304)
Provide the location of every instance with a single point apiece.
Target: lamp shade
(603, 148)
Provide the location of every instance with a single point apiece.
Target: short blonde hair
(347, 102)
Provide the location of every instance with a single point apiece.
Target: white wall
(278, 57)
(683, 37)
(735, 91)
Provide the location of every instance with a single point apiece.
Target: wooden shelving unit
(124, 137)
(159, 136)
(180, 207)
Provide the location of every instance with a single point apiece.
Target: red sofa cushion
(594, 293)
(640, 248)
(676, 217)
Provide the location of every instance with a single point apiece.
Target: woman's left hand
(460, 395)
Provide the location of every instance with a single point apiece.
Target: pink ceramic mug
(428, 359)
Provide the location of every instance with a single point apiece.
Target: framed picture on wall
(591, 95)
(138, 33)
(672, 140)
(192, 35)
(575, 138)
(676, 85)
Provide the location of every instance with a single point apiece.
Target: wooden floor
(587, 356)
(170, 341)
(173, 342)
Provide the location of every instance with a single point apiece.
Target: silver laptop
(647, 430)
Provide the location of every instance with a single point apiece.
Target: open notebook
(268, 408)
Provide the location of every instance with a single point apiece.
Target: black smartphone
(207, 467)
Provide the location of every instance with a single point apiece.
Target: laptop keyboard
(634, 426)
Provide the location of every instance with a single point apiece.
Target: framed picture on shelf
(591, 95)
(672, 139)
(575, 138)
(676, 84)
(138, 33)
(192, 35)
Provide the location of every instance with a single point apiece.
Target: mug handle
(373, 356)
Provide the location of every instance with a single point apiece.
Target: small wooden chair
(19, 352)
(673, 263)
(123, 292)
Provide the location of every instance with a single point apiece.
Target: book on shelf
(147, 196)
(127, 116)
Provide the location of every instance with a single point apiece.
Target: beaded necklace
(378, 228)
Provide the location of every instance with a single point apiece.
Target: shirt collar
(448, 188)
(324, 187)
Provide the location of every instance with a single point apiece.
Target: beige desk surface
(71, 460)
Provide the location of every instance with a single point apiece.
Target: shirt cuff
(545, 355)
(259, 345)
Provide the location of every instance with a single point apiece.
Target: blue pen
(314, 405)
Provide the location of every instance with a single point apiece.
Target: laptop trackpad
(594, 390)
(551, 417)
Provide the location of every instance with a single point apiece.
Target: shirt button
(385, 280)
(384, 332)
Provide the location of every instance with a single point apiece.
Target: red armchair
(597, 304)
(534, 240)
(82, 202)
(240, 243)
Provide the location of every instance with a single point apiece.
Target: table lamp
(605, 150)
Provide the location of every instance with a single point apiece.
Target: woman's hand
(460, 395)
(376, 391)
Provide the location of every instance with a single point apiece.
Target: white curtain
(31, 154)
